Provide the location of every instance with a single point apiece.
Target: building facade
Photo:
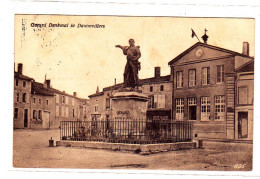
(244, 102)
(204, 80)
(22, 98)
(42, 107)
(159, 90)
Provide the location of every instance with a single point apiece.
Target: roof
(208, 46)
(22, 77)
(39, 89)
(96, 94)
(247, 67)
(155, 80)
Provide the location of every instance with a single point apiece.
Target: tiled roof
(22, 77)
(209, 46)
(38, 88)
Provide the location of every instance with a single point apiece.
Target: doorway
(46, 120)
(192, 112)
(26, 118)
(242, 125)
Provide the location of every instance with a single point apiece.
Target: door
(192, 112)
(26, 118)
(46, 120)
(242, 125)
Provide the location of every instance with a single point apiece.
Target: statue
(132, 66)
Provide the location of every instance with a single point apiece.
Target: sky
(80, 59)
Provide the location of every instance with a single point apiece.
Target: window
(151, 89)
(34, 100)
(57, 111)
(205, 76)
(34, 114)
(96, 108)
(73, 112)
(17, 82)
(40, 101)
(63, 99)
(24, 97)
(47, 102)
(17, 97)
(24, 83)
(220, 73)
(161, 88)
(57, 98)
(220, 107)
(40, 115)
(242, 95)
(179, 108)
(179, 79)
(107, 103)
(15, 112)
(205, 108)
(151, 102)
(192, 78)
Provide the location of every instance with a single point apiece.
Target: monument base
(129, 105)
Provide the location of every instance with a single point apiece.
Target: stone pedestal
(129, 105)
(129, 111)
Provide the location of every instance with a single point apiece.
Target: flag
(193, 33)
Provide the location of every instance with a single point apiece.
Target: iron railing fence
(127, 131)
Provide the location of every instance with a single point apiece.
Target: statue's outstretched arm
(124, 48)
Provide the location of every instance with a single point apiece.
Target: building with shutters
(204, 87)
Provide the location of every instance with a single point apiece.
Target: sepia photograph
(133, 92)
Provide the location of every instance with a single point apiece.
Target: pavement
(31, 150)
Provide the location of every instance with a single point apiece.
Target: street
(31, 150)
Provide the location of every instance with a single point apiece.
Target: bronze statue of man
(132, 66)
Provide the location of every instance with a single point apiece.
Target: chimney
(75, 94)
(157, 72)
(115, 81)
(245, 48)
(97, 91)
(48, 82)
(20, 68)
